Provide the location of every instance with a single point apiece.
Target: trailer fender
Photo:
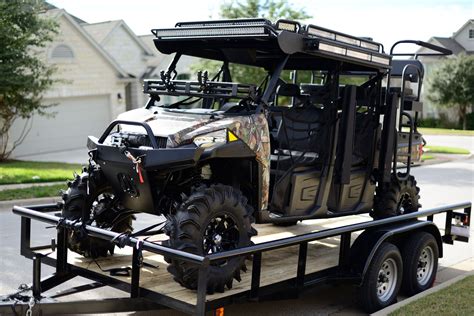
(366, 245)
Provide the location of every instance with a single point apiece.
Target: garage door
(74, 119)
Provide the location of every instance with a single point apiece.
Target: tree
(24, 76)
(452, 85)
(269, 9)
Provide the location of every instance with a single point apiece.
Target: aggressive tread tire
(411, 252)
(368, 298)
(186, 229)
(390, 198)
(76, 201)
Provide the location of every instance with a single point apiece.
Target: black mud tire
(420, 261)
(368, 293)
(76, 201)
(396, 198)
(187, 228)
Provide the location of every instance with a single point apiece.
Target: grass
(13, 171)
(427, 157)
(447, 150)
(31, 192)
(454, 300)
(444, 131)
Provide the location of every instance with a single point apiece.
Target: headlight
(211, 139)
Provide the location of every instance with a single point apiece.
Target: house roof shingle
(100, 30)
(450, 44)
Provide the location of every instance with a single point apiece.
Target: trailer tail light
(219, 311)
(460, 229)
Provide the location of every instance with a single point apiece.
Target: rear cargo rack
(142, 298)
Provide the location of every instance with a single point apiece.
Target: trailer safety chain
(31, 305)
(19, 297)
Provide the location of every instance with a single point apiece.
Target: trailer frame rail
(145, 299)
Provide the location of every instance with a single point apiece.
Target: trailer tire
(382, 280)
(420, 260)
(396, 198)
(76, 201)
(210, 216)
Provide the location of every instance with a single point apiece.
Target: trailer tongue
(354, 263)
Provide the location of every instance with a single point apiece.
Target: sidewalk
(4, 187)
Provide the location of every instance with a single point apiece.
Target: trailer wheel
(396, 198)
(420, 259)
(211, 220)
(382, 280)
(101, 203)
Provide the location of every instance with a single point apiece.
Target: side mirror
(288, 90)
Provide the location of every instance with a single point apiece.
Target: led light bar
(361, 55)
(236, 22)
(200, 32)
(287, 25)
(319, 32)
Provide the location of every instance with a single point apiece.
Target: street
(440, 184)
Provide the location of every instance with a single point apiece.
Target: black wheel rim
(221, 234)
(405, 203)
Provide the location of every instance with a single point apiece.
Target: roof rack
(268, 39)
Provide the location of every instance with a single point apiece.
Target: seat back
(299, 129)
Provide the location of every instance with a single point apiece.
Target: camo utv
(224, 154)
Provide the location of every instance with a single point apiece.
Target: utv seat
(299, 138)
(363, 139)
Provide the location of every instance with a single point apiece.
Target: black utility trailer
(357, 252)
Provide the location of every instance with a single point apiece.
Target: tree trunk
(463, 116)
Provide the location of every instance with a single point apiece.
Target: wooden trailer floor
(277, 265)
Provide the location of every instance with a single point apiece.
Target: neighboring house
(130, 52)
(102, 67)
(161, 62)
(461, 42)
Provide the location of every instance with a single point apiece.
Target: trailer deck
(277, 265)
(285, 260)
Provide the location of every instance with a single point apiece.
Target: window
(471, 33)
(62, 52)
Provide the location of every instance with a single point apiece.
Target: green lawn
(456, 299)
(32, 192)
(14, 171)
(444, 131)
(446, 150)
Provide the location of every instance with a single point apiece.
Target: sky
(386, 21)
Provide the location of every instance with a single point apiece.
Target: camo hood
(181, 127)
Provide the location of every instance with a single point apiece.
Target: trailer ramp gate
(253, 287)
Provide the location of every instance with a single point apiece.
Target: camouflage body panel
(251, 129)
